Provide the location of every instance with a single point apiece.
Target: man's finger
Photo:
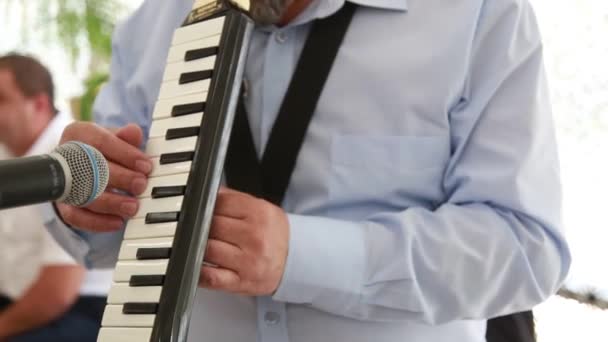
(121, 151)
(224, 255)
(88, 220)
(125, 179)
(227, 190)
(227, 229)
(114, 204)
(234, 204)
(217, 278)
(112, 147)
(132, 134)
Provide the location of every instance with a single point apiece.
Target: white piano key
(174, 70)
(197, 31)
(113, 317)
(163, 108)
(158, 146)
(171, 180)
(125, 269)
(243, 4)
(121, 293)
(168, 169)
(159, 127)
(177, 53)
(172, 88)
(109, 334)
(158, 205)
(202, 3)
(128, 249)
(138, 229)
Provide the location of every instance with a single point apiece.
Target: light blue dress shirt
(426, 197)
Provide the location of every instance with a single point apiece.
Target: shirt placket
(272, 320)
(279, 65)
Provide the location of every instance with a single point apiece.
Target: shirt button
(272, 318)
(281, 37)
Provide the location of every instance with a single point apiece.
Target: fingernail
(144, 166)
(139, 185)
(128, 208)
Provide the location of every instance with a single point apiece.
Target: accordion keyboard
(159, 261)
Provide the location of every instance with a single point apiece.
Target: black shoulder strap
(271, 178)
(301, 100)
(242, 167)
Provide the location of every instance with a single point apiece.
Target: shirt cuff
(326, 261)
(68, 238)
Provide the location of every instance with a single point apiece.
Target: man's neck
(19, 148)
(25, 141)
(296, 7)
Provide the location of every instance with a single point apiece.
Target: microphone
(74, 173)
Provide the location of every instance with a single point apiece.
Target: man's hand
(248, 243)
(129, 167)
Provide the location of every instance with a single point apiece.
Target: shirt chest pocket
(380, 173)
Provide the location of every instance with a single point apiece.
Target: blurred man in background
(44, 295)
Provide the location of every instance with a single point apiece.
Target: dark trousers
(518, 327)
(80, 324)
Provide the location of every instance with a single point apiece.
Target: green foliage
(81, 27)
(92, 86)
(74, 24)
(89, 19)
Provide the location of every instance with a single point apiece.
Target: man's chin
(268, 12)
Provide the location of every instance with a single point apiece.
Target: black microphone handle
(30, 180)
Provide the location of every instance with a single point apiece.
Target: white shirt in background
(25, 244)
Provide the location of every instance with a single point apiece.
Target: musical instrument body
(158, 267)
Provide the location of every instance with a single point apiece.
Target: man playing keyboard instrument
(425, 198)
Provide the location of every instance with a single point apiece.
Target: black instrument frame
(183, 270)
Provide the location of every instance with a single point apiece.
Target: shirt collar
(396, 5)
(51, 135)
(324, 8)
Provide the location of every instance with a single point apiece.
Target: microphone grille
(89, 169)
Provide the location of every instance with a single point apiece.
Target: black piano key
(140, 308)
(201, 53)
(170, 216)
(189, 108)
(153, 253)
(168, 191)
(184, 132)
(170, 158)
(195, 76)
(146, 280)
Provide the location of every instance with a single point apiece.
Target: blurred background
(72, 37)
